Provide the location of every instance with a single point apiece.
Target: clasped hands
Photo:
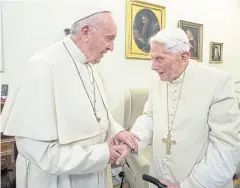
(121, 145)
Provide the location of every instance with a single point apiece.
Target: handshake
(121, 145)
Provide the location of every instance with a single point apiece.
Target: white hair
(175, 41)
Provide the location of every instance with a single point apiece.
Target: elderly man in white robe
(191, 115)
(59, 114)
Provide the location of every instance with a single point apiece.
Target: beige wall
(219, 19)
(30, 26)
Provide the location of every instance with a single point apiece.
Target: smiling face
(168, 65)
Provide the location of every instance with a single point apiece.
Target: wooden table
(236, 182)
(8, 158)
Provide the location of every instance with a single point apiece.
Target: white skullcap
(75, 10)
(89, 8)
(170, 36)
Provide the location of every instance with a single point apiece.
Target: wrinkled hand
(127, 138)
(117, 152)
(170, 185)
(123, 150)
(114, 155)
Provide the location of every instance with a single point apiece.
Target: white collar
(180, 78)
(75, 52)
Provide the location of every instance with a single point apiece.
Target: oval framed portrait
(144, 20)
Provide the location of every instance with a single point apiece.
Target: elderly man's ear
(185, 57)
(85, 32)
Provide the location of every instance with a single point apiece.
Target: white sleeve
(143, 127)
(57, 159)
(114, 127)
(218, 166)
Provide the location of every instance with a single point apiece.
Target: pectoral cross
(168, 143)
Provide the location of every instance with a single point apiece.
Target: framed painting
(216, 52)
(194, 32)
(4, 92)
(143, 20)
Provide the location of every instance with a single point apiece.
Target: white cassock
(60, 142)
(206, 128)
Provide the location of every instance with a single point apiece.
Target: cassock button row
(165, 173)
(165, 160)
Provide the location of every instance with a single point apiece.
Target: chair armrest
(136, 166)
(138, 161)
(238, 169)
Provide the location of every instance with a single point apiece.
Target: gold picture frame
(195, 35)
(216, 53)
(143, 20)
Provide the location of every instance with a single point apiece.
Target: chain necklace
(168, 142)
(93, 104)
(93, 82)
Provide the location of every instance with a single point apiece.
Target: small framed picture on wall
(4, 92)
(216, 52)
(194, 32)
